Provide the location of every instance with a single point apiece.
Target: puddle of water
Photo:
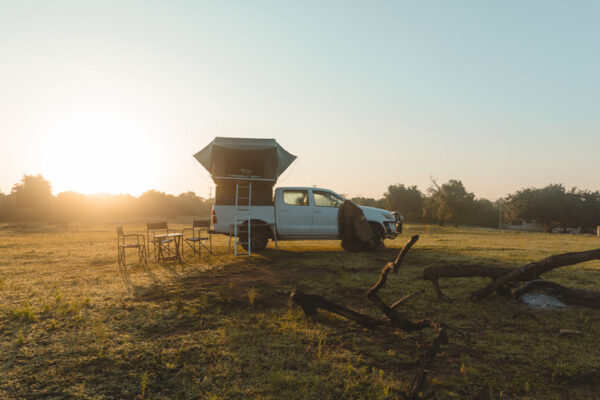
(542, 301)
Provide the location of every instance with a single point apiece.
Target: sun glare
(93, 153)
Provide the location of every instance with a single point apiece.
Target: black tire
(379, 234)
(259, 237)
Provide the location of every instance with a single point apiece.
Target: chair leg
(159, 255)
(119, 256)
(196, 250)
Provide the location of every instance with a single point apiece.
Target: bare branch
(407, 298)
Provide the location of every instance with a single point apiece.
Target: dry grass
(71, 326)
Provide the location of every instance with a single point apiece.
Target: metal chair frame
(196, 241)
(159, 244)
(123, 243)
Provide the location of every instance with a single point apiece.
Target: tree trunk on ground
(532, 270)
(310, 304)
(504, 278)
(433, 274)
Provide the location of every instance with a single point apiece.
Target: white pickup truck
(299, 213)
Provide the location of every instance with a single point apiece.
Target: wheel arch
(264, 224)
(380, 228)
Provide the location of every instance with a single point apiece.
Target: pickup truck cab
(299, 213)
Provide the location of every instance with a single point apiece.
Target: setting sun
(99, 153)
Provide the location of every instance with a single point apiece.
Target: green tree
(72, 206)
(407, 200)
(552, 206)
(448, 203)
(483, 213)
(4, 211)
(590, 210)
(189, 203)
(33, 197)
(156, 204)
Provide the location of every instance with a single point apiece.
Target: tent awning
(227, 158)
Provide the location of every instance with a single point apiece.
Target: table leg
(160, 256)
(177, 252)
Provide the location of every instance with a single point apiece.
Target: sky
(117, 96)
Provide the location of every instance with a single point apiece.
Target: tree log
(532, 270)
(392, 266)
(311, 304)
(504, 277)
(413, 239)
(433, 274)
(425, 365)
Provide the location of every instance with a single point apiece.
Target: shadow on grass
(282, 270)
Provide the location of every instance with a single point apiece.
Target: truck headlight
(388, 216)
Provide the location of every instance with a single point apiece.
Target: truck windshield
(326, 199)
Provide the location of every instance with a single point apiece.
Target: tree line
(31, 200)
(552, 206)
(448, 203)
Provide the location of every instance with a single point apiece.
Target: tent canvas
(244, 158)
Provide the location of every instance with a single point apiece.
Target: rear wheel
(379, 234)
(259, 237)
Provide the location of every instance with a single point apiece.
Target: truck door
(325, 214)
(294, 213)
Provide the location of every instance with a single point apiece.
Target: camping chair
(159, 244)
(200, 235)
(125, 242)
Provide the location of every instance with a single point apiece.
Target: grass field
(223, 327)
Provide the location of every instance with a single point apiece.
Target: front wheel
(259, 238)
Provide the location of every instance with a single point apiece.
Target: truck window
(295, 197)
(326, 199)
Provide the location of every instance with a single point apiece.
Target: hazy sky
(116, 96)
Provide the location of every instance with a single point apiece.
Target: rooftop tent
(244, 158)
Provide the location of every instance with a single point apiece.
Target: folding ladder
(241, 215)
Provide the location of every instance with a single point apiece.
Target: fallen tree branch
(532, 270)
(505, 278)
(413, 239)
(433, 274)
(407, 298)
(392, 266)
(312, 303)
(425, 365)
